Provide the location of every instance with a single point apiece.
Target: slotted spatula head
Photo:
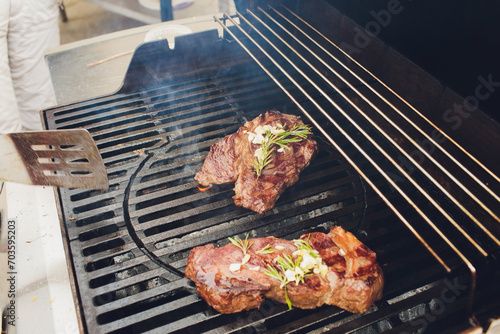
(61, 158)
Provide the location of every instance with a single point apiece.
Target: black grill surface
(129, 245)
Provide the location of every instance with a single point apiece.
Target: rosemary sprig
(290, 271)
(304, 245)
(304, 262)
(287, 262)
(265, 250)
(244, 245)
(280, 138)
(273, 272)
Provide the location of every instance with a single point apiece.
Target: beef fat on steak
(353, 280)
(232, 160)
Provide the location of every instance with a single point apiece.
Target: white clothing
(27, 29)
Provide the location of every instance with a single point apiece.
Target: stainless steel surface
(148, 11)
(43, 296)
(74, 80)
(61, 158)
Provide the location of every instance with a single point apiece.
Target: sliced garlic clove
(233, 267)
(290, 275)
(246, 258)
(323, 270)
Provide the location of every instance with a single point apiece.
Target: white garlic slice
(233, 267)
(246, 258)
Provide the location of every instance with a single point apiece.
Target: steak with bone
(353, 279)
(233, 159)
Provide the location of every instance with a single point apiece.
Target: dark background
(455, 41)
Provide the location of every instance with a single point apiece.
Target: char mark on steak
(232, 160)
(353, 281)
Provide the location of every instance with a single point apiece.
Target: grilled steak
(353, 279)
(232, 160)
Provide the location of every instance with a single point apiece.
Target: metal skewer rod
(355, 144)
(386, 155)
(330, 139)
(482, 184)
(409, 157)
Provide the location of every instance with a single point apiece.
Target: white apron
(27, 29)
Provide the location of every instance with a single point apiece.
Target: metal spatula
(61, 158)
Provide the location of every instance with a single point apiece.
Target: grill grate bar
(240, 216)
(142, 201)
(298, 220)
(135, 320)
(106, 108)
(199, 224)
(128, 246)
(262, 43)
(167, 288)
(101, 239)
(134, 279)
(116, 267)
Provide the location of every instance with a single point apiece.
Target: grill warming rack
(293, 54)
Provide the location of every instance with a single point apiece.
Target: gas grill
(390, 170)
